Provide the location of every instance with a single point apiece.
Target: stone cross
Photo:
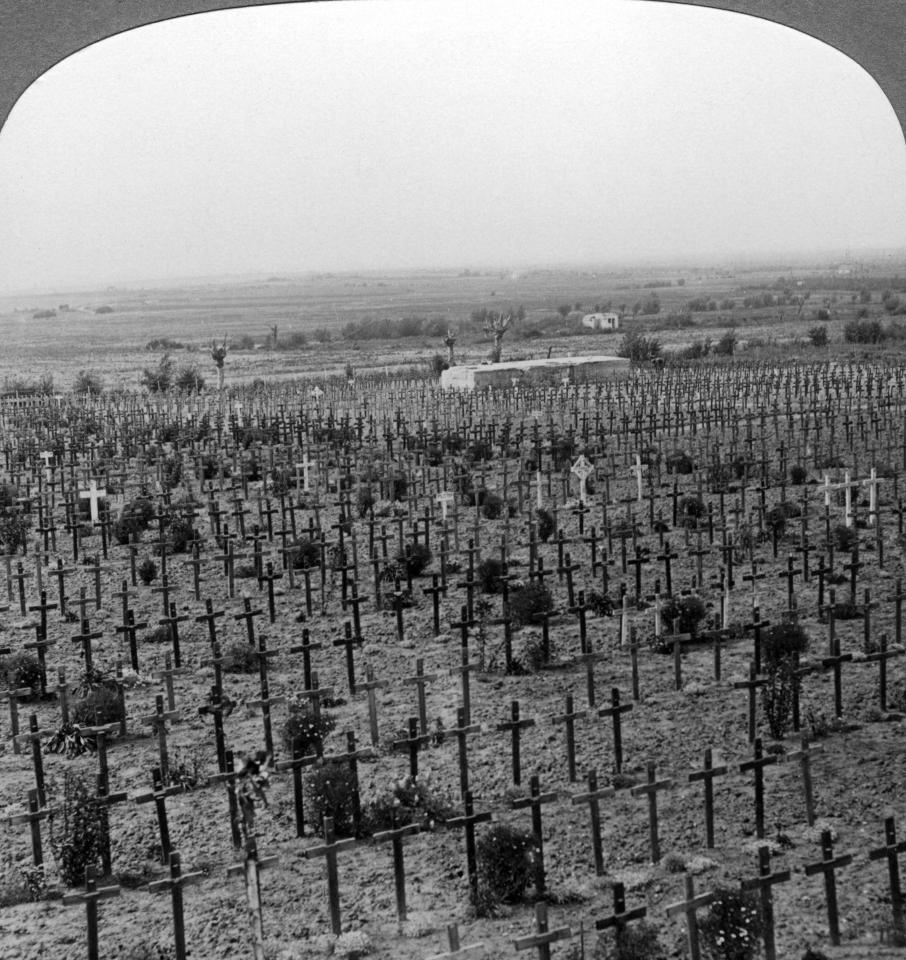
(93, 495)
(582, 469)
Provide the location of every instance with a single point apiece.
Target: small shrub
(101, 705)
(493, 506)
(863, 330)
(159, 379)
(22, 670)
(505, 866)
(305, 553)
(798, 474)
(731, 926)
(416, 559)
(180, 534)
(527, 602)
(488, 574)
(784, 641)
(690, 511)
(189, 379)
(331, 791)
(845, 538)
(638, 941)
(88, 384)
(689, 611)
(411, 800)
(147, 571)
(818, 336)
(77, 834)
(678, 461)
(243, 657)
(545, 524)
(304, 728)
(14, 528)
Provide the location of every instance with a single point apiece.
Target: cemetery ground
(681, 521)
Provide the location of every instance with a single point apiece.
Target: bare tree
(218, 355)
(497, 326)
(450, 343)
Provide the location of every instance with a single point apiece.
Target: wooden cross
(534, 801)
(752, 684)
(33, 818)
(804, 755)
(396, 836)
(462, 731)
(621, 917)
(12, 696)
(827, 865)
(93, 495)
(93, 893)
(592, 798)
(651, 790)
(468, 821)
(349, 642)
(457, 949)
(615, 711)
(757, 764)
(568, 719)
(265, 702)
(516, 725)
(167, 675)
(329, 850)
(34, 736)
(764, 883)
(543, 937)
(689, 907)
(175, 883)
(707, 775)
(295, 766)
(835, 662)
(413, 742)
(421, 680)
(250, 868)
(891, 851)
(158, 796)
(882, 655)
(158, 721)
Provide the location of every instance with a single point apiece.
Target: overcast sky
(380, 134)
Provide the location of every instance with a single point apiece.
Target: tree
(450, 343)
(159, 379)
(497, 326)
(218, 355)
(818, 336)
(865, 295)
(638, 348)
(563, 310)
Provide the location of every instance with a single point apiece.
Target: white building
(601, 321)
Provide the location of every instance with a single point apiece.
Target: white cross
(304, 467)
(46, 456)
(317, 393)
(93, 494)
(847, 487)
(638, 470)
(872, 484)
(582, 468)
(444, 498)
(538, 480)
(237, 406)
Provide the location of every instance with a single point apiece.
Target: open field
(320, 307)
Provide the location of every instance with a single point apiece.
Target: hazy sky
(382, 133)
